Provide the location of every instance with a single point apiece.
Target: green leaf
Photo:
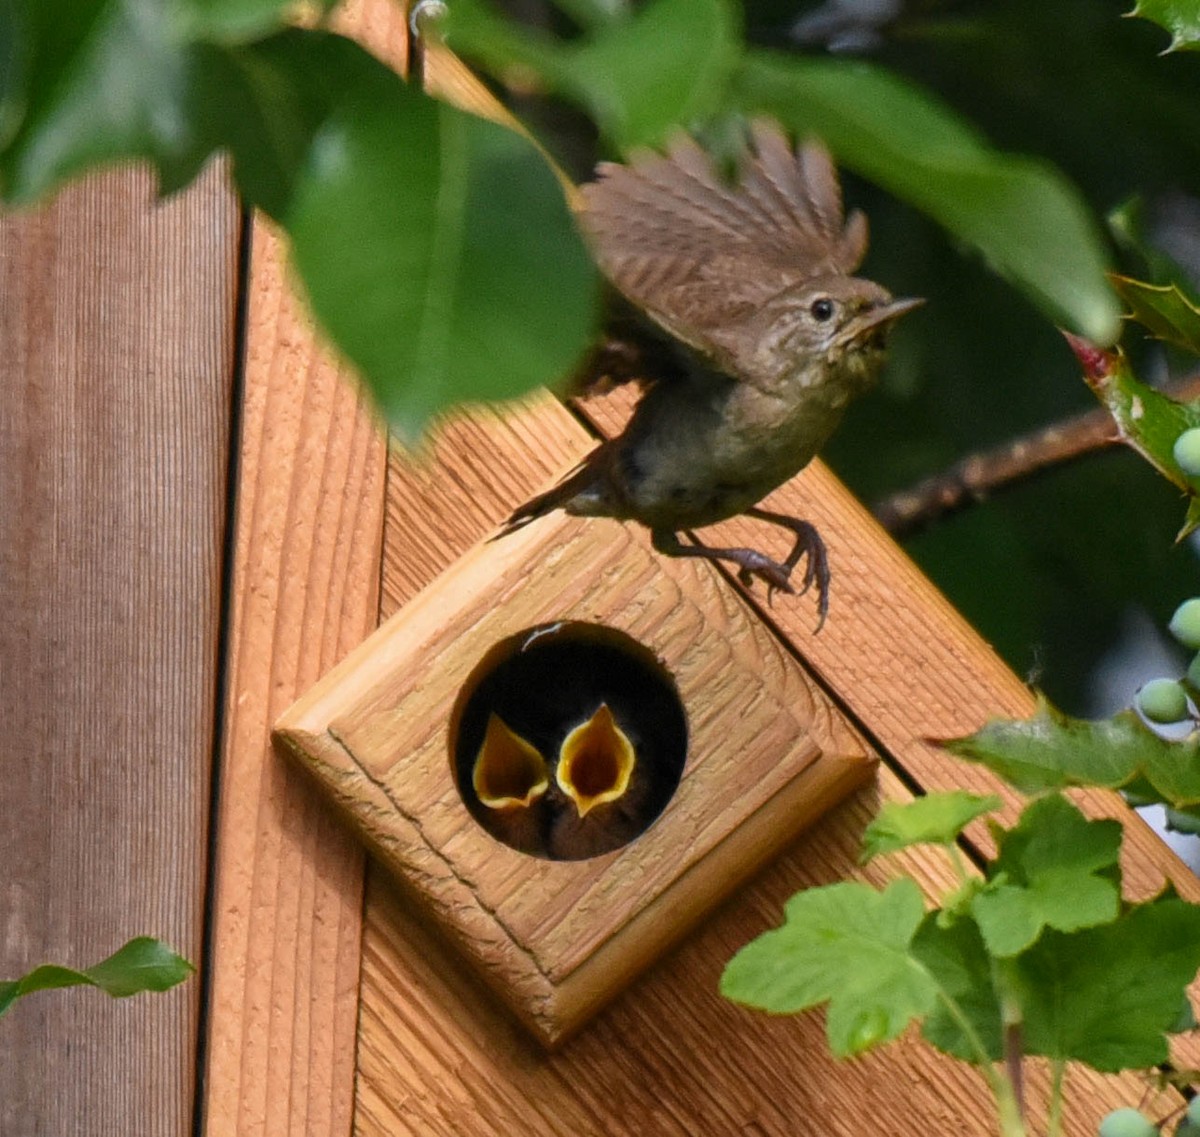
(1184, 821)
(1181, 18)
(667, 64)
(143, 964)
(110, 83)
(1052, 751)
(438, 250)
(953, 952)
(845, 945)
(1022, 214)
(934, 819)
(13, 64)
(1109, 995)
(235, 21)
(1163, 309)
(1147, 420)
(593, 13)
(1054, 869)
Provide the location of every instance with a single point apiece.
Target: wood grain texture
(767, 754)
(117, 323)
(669, 1056)
(287, 905)
(437, 1058)
(288, 878)
(910, 668)
(906, 664)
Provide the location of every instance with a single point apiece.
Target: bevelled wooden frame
(769, 752)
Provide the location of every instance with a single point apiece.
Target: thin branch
(978, 475)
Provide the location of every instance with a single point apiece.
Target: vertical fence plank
(116, 325)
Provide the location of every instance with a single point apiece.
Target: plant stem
(1013, 1063)
(958, 864)
(1012, 1124)
(1054, 1120)
(1008, 1109)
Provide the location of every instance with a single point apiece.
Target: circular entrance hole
(568, 740)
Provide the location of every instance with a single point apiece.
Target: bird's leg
(750, 563)
(808, 544)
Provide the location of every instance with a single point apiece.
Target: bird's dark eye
(822, 309)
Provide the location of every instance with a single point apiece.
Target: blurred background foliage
(1064, 571)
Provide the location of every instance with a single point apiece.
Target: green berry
(1127, 1123)
(1193, 1111)
(1163, 701)
(1185, 624)
(1193, 672)
(1187, 451)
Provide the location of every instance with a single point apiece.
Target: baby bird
(759, 337)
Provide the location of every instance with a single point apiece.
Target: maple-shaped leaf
(1054, 869)
(1110, 995)
(1052, 750)
(953, 952)
(934, 819)
(846, 945)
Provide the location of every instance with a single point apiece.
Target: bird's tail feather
(554, 498)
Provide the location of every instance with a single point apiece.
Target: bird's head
(831, 329)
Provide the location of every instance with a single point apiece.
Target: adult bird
(758, 336)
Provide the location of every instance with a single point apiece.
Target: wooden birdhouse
(457, 737)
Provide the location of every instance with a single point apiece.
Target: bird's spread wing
(699, 255)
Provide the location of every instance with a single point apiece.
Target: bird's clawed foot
(752, 563)
(810, 546)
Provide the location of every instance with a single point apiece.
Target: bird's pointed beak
(886, 314)
(509, 772)
(595, 762)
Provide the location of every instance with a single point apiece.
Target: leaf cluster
(436, 248)
(1043, 946)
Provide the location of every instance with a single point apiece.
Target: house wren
(768, 338)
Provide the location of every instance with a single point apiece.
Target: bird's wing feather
(699, 255)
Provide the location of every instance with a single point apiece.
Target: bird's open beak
(509, 773)
(595, 762)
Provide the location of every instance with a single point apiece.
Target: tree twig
(978, 475)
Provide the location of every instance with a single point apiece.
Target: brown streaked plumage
(771, 336)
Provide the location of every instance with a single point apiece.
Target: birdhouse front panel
(555, 930)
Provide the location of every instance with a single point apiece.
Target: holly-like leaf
(143, 964)
(1110, 995)
(1052, 750)
(1163, 310)
(1054, 869)
(934, 819)
(845, 945)
(1146, 419)
(1029, 222)
(1181, 18)
(666, 64)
